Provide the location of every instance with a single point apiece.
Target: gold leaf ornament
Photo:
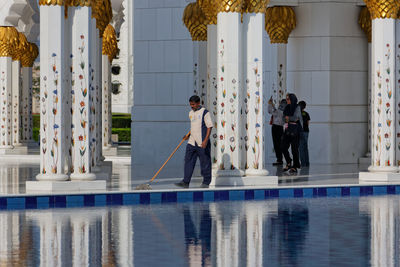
(383, 9)
(279, 23)
(255, 6)
(365, 22)
(110, 43)
(236, 6)
(195, 21)
(210, 9)
(9, 41)
(21, 47)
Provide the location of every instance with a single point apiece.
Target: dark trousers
(293, 142)
(277, 133)
(204, 155)
(303, 148)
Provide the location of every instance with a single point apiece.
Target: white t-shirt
(195, 125)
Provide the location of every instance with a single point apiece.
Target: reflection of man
(198, 244)
(198, 144)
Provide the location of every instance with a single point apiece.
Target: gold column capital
(383, 9)
(195, 21)
(279, 23)
(255, 6)
(9, 41)
(21, 48)
(51, 2)
(102, 12)
(365, 22)
(210, 10)
(230, 6)
(110, 43)
(30, 55)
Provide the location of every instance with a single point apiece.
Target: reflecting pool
(279, 232)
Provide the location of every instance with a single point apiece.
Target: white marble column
(5, 103)
(200, 70)
(99, 103)
(26, 116)
(397, 79)
(229, 36)
(383, 143)
(107, 101)
(83, 31)
(278, 73)
(16, 102)
(253, 50)
(52, 104)
(212, 88)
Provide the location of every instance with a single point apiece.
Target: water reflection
(286, 232)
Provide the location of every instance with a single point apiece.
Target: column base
(31, 144)
(65, 186)
(11, 150)
(387, 177)
(104, 170)
(254, 172)
(245, 181)
(83, 176)
(51, 177)
(109, 150)
(228, 173)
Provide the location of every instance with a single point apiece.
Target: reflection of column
(254, 235)
(229, 36)
(83, 31)
(9, 44)
(55, 247)
(279, 22)
(383, 85)
(227, 244)
(365, 23)
(253, 142)
(125, 232)
(383, 213)
(52, 104)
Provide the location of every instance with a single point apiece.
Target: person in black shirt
(303, 146)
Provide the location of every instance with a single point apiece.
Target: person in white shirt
(199, 143)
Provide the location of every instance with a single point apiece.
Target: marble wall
(326, 63)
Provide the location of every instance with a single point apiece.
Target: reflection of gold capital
(210, 10)
(110, 43)
(195, 21)
(255, 6)
(365, 22)
(9, 41)
(230, 6)
(383, 9)
(279, 23)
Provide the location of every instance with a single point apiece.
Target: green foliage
(36, 120)
(36, 133)
(124, 134)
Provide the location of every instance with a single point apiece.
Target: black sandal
(287, 168)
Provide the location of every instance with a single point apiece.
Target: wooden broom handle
(170, 156)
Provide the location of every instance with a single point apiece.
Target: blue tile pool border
(77, 200)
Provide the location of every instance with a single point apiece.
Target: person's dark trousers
(293, 142)
(303, 149)
(204, 155)
(277, 133)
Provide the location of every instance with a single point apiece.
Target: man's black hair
(194, 98)
(302, 105)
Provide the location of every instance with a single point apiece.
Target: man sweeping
(199, 143)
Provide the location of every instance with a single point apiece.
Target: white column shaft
(106, 107)
(383, 96)
(212, 87)
(230, 61)
(279, 65)
(397, 79)
(253, 97)
(27, 122)
(99, 103)
(52, 104)
(369, 97)
(200, 70)
(82, 97)
(16, 101)
(5, 103)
